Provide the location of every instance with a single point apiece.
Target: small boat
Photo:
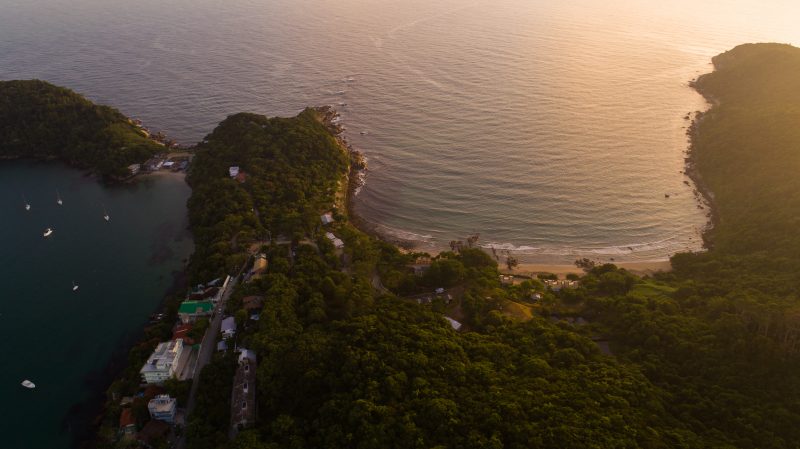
(48, 232)
(27, 204)
(28, 384)
(75, 286)
(58, 199)
(106, 217)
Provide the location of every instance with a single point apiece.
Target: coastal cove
(481, 116)
(351, 342)
(63, 340)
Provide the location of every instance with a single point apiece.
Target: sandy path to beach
(639, 268)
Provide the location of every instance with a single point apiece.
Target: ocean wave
(402, 234)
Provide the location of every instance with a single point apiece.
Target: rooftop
(189, 307)
(228, 324)
(126, 418)
(165, 355)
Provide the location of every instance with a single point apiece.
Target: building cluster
(175, 163)
(172, 359)
(557, 284)
(163, 412)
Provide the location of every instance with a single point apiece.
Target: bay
(554, 129)
(60, 339)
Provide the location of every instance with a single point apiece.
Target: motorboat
(28, 384)
(48, 232)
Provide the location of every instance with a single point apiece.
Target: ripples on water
(552, 129)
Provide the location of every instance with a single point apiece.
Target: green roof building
(189, 311)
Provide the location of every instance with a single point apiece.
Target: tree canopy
(40, 120)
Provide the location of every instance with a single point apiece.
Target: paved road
(207, 348)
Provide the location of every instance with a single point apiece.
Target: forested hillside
(289, 172)
(40, 120)
(721, 333)
(705, 356)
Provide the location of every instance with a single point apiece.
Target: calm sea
(60, 339)
(554, 129)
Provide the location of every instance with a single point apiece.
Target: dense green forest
(40, 120)
(705, 356)
(291, 167)
(720, 333)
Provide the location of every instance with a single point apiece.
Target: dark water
(60, 339)
(552, 128)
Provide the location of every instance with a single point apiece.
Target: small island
(314, 334)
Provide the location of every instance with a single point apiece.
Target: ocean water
(62, 340)
(553, 129)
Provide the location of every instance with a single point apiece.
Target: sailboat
(48, 232)
(75, 286)
(58, 199)
(27, 204)
(28, 384)
(106, 217)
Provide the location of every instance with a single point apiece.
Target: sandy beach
(639, 268)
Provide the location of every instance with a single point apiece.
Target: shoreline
(355, 179)
(704, 193)
(645, 268)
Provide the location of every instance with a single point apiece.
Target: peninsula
(43, 121)
(335, 339)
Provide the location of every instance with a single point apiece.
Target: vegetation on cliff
(40, 120)
(704, 356)
(721, 333)
(290, 168)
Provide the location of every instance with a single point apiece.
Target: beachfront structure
(228, 327)
(134, 169)
(338, 243)
(233, 171)
(163, 407)
(163, 363)
(327, 218)
(190, 311)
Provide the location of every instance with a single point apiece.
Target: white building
(162, 407)
(228, 327)
(338, 243)
(327, 218)
(233, 171)
(163, 363)
(453, 323)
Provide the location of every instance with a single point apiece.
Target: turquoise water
(60, 339)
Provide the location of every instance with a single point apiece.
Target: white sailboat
(27, 204)
(106, 217)
(75, 286)
(48, 232)
(28, 384)
(58, 198)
